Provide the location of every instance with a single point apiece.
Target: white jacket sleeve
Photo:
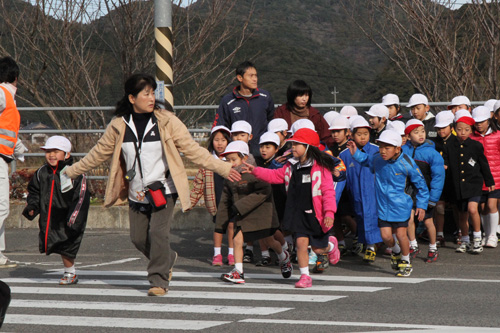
(2, 101)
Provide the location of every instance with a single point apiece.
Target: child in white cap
(420, 110)
(378, 117)
(393, 169)
(391, 101)
(63, 216)
(486, 132)
(249, 203)
(459, 103)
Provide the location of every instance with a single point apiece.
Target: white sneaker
(483, 241)
(492, 241)
(6, 263)
(464, 247)
(477, 247)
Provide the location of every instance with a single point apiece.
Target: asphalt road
(458, 292)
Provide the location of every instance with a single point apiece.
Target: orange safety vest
(10, 120)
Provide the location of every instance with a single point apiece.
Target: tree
(443, 52)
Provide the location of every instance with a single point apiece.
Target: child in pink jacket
(310, 205)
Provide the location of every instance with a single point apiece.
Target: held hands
(420, 214)
(336, 173)
(248, 168)
(491, 188)
(352, 147)
(328, 221)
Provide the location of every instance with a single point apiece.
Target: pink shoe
(334, 255)
(304, 282)
(217, 260)
(230, 260)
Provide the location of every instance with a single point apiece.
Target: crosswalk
(118, 299)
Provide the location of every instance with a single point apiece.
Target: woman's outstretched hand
(248, 168)
(234, 176)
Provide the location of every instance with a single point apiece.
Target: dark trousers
(150, 233)
(4, 300)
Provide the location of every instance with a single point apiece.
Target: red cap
(467, 120)
(306, 136)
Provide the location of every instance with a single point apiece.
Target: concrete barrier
(117, 218)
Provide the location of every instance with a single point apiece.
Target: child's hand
(491, 188)
(445, 167)
(328, 221)
(31, 212)
(234, 176)
(420, 214)
(248, 168)
(336, 173)
(281, 159)
(352, 147)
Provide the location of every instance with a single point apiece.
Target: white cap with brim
(444, 119)
(458, 100)
(390, 137)
(236, 147)
(220, 128)
(241, 126)
(417, 99)
(359, 122)
(496, 106)
(57, 142)
(378, 110)
(301, 123)
(397, 126)
(490, 104)
(277, 125)
(390, 99)
(341, 122)
(348, 111)
(270, 137)
(330, 116)
(462, 113)
(481, 113)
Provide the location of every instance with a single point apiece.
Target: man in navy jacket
(247, 102)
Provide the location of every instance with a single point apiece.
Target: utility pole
(163, 49)
(334, 92)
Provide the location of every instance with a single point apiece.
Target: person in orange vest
(9, 128)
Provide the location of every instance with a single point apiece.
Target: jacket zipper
(50, 208)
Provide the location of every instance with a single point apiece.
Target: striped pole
(163, 49)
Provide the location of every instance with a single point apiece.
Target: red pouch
(156, 195)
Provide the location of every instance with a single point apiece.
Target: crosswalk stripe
(177, 294)
(139, 323)
(277, 276)
(203, 284)
(147, 307)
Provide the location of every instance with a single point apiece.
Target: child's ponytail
(323, 159)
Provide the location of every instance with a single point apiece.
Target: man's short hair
(243, 67)
(9, 70)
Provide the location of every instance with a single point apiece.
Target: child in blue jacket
(393, 171)
(361, 185)
(431, 164)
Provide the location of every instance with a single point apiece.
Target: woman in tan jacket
(144, 144)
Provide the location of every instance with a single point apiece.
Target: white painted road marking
(440, 328)
(267, 286)
(147, 307)
(178, 294)
(139, 323)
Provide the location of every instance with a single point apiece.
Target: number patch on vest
(306, 179)
(316, 177)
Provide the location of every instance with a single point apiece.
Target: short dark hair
(298, 88)
(134, 86)
(9, 70)
(269, 143)
(243, 67)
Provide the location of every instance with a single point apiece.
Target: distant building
(35, 138)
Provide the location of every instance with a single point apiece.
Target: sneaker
(432, 256)
(342, 250)
(464, 247)
(395, 260)
(248, 256)
(492, 241)
(414, 251)
(334, 254)
(483, 241)
(369, 255)
(286, 267)
(305, 281)
(68, 278)
(230, 260)
(264, 261)
(6, 263)
(234, 276)
(476, 247)
(157, 291)
(217, 260)
(440, 242)
(356, 247)
(405, 268)
(170, 271)
(313, 257)
(457, 237)
(321, 263)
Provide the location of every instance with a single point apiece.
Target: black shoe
(264, 261)
(248, 256)
(321, 263)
